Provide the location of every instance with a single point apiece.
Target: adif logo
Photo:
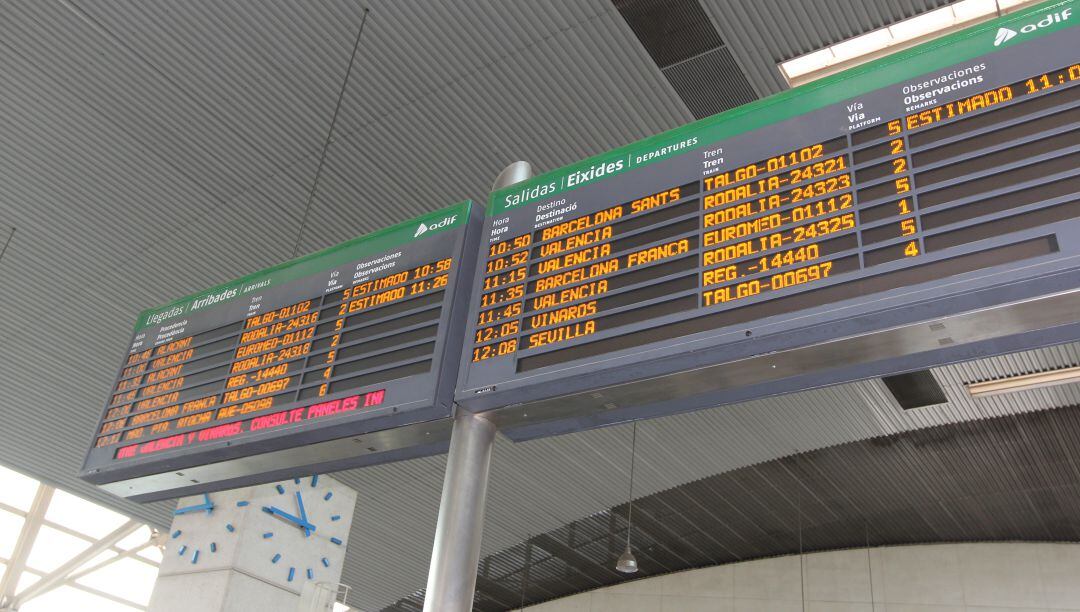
(423, 228)
(1006, 34)
(1003, 35)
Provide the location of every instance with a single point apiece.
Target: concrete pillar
(254, 548)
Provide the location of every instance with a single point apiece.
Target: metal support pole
(456, 554)
(454, 558)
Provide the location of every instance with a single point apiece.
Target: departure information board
(946, 168)
(358, 338)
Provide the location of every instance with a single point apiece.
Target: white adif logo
(447, 221)
(1006, 34)
(1003, 35)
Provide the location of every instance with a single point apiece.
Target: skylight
(65, 530)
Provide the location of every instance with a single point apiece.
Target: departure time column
(502, 303)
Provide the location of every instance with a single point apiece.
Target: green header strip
(920, 60)
(375, 243)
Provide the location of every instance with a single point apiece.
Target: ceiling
(543, 486)
(150, 149)
(938, 484)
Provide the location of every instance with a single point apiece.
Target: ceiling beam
(71, 532)
(72, 580)
(407, 605)
(497, 592)
(598, 574)
(127, 554)
(109, 596)
(685, 552)
(30, 528)
(62, 573)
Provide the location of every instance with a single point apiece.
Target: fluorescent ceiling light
(968, 10)
(861, 45)
(1026, 382)
(923, 25)
(805, 64)
(863, 48)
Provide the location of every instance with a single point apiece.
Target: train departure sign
(942, 179)
(290, 368)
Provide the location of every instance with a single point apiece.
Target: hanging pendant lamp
(627, 562)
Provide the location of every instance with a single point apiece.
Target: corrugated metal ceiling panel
(710, 83)
(672, 31)
(531, 492)
(89, 68)
(415, 156)
(1003, 478)
(126, 123)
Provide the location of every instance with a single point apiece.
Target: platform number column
(331, 355)
(903, 182)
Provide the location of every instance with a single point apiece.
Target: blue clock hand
(303, 515)
(288, 517)
(279, 512)
(180, 511)
(207, 506)
(300, 504)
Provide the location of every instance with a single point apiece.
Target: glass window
(103, 556)
(26, 580)
(138, 538)
(56, 544)
(53, 548)
(127, 578)
(17, 490)
(82, 516)
(68, 598)
(152, 553)
(10, 527)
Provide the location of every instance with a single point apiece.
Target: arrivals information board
(358, 338)
(946, 168)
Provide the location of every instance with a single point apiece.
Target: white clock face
(193, 540)
(286, 533)
(300, 524)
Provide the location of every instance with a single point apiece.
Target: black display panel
(359, 338)
(945, 170)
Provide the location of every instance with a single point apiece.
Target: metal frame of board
(986, 282)
(411, 415)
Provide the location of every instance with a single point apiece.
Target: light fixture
(1025, 382)
(627, 562)
(159, 539)
(902, 34)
